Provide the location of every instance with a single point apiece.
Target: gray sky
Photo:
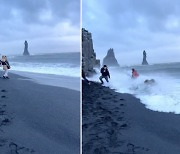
(131, 26)
(47, 25)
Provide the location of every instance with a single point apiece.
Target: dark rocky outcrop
(144, 62)
(110, 59)
(97, 63)
(89, 61)
(26, 52)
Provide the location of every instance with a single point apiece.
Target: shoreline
(38, 118)
(120, 123)
(69, 82)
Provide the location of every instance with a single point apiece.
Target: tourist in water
(6, 66)
(104, 74)
(134, 73)
(149, 82)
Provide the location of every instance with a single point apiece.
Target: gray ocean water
(171, 69)
(56, 63)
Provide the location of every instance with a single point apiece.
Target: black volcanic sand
(38, 119)
(115, 123)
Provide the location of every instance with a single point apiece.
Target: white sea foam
(53, 63)
(56, 68)
(163, 96)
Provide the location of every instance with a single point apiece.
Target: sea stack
(26, 52)
(89, 61)
(144, 62)
(110, 59)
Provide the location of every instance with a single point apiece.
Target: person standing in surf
(6, 66)
(134, 73)
(104, 74)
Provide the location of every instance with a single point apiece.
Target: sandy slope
(38, 118)
(115, 123)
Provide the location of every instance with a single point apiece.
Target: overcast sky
(131, 26)
(49, 26)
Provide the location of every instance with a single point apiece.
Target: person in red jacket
(134, 73)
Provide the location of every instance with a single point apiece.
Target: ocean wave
(163, 96)
(67, 64)
(43, 68)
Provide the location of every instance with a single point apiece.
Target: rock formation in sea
(26, 52)
(144, 62)
(110, 59)
(89, 61)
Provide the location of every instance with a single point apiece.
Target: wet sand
(38, 119)
(115, 123)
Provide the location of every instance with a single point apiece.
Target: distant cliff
(110, 59)
(144, 62)
(89, 61)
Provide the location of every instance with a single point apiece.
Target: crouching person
(104, 74)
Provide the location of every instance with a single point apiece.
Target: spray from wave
(163, 96)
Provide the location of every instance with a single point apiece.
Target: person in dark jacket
(6, 66)
(104, 74)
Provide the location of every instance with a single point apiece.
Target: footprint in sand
(133, 148)
(124, 126)
(115, 101)
(2, 112)
(115, 113)
(15, 149)
(120, 118)
(111, 132)
(107, 118)
(100, 150)
(4, 121)
(104, 98)
(130, 147)
(2, 142)
(3, 90)
(114, 124)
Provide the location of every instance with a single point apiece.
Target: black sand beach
(115, 123)
(38, 118)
